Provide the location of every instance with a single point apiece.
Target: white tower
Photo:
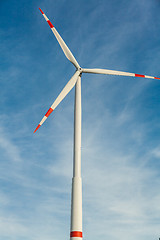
(76, 203)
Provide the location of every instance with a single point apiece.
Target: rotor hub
(80, 70)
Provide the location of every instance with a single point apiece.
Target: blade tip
(41, 11)
(37, 128)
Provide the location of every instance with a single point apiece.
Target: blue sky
(121, 119)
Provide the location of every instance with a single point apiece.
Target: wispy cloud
(8, 147)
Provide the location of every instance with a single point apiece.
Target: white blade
(60, 97)
(112, 72)
(64, 47)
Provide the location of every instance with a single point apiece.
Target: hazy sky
(120, 119)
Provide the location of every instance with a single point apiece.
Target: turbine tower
(76, 202)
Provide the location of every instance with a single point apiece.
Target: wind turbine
(76, 202)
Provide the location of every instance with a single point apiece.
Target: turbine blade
(63, 45)
(112, 72)
(60, 97)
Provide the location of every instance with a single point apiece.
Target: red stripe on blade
(41, 11)
(139, 75)
(37, 128)
(76, 234)
(49, 112)
(50, 24)
(156, 78)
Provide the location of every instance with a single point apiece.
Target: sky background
(120, 119)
